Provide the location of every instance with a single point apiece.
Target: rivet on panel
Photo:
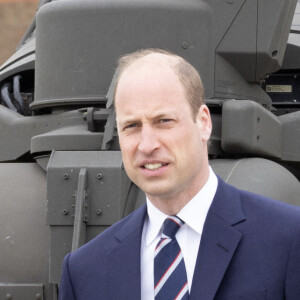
(38, 296)
(185, 45)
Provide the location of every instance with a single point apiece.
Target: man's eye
(131, 125)
(164, 120)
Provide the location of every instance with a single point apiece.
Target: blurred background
(15, 17)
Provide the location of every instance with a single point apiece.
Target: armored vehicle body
(62, 181)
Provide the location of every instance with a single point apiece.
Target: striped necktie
(170, 279)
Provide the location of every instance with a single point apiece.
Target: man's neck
(172, 204)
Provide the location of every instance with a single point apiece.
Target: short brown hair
(187, 74)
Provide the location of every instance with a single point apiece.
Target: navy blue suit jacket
(249, 250)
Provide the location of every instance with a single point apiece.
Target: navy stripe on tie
(170, 279)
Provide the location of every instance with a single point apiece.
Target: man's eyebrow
(162, 115)
(127, 121)
(155, 116)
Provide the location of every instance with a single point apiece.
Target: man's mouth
(154, 166)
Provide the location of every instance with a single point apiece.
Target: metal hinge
(81, 211)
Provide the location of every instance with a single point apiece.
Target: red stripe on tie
(162, 240)
(167, 270)
(181, 291)
(175, 222)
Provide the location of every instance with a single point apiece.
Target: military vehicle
(62, 181)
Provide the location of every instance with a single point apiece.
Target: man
(233, 244)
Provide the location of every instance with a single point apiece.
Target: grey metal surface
(81, 211)
(107, 185)
(24, 234)
(291, 136)
(19, 134)
(108, 193)
(259, 131)
(23, 291)
(260, 176)
(22, 60)
(89, 48)
(234, 44)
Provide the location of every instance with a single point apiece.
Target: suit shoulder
(258, 208)
(270, 205)
(270, 213)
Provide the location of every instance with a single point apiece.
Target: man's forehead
(149, 71)
(152, 61)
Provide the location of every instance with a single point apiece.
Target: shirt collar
(156, 219)
(193, 213)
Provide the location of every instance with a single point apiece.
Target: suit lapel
(124, 277)
(218, 243)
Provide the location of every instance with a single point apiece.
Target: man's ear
(204, 120)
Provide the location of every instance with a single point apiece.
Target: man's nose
(149, 141)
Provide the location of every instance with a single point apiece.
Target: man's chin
(162, 193)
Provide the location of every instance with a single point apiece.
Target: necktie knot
(171, 226)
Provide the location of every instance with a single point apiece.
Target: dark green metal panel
(28, 291)
(107, 187)
(260, 176)
(99, 180)
(235, 45)
(24, 234)
(91, 35)
(259, 131)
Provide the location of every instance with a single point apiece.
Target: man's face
(163, 147)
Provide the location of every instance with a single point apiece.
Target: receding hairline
(133, 61)
(160, 58)
(145, 55)
(187, 74)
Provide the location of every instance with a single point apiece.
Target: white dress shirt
(193, 214)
